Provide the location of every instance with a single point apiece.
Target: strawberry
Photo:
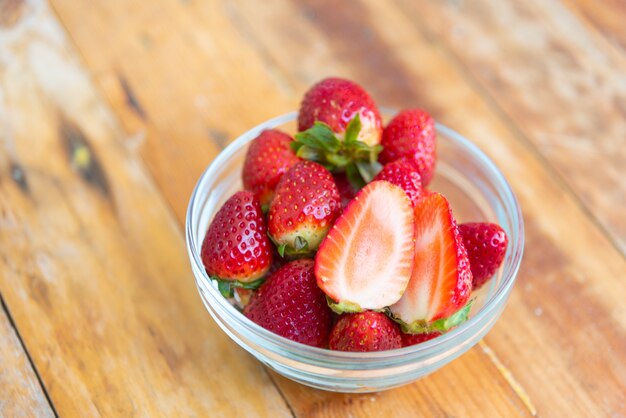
(340, 128)
(411, 134)
(346, 191)
(236, 250)
(366, 260)
(335, 102)
(404, 174)
(412, 339)
(268, 158)
(304, 208)
(290, 304)
(365, 331)
(486, 246)
(440, 286)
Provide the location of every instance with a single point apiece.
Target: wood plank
(20, 391)
(448, 392)
(150, 67)
(502, 399)
(554, 277)
(380, 46)
(561, 85)
(94, 267)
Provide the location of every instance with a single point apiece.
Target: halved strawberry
(366, 260)
(268, 158)
(437, 294)
(305, 205)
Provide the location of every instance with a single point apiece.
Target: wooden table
(110, 110)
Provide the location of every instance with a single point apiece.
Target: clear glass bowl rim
(340, 360)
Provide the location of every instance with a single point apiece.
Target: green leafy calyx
(227, 287)
(343, 307)
(440, 325)
(357, 159)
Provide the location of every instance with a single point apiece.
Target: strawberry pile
(336, 241)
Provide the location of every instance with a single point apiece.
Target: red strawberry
(336, 102)
(365, 331)
(346, 191)
(268, 158)
(411, 134)
(412, 339)
(486, 246)
(404, 174)
(236, 246)
(441, 281)
(290, 304)
(366, 260)
(304, 208)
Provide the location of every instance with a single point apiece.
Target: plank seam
(508, 376)
(280, 391)
(30, 360)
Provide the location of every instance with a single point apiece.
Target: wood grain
(570, 104)
(94, 267)
(21, 394)
(449, 392)
(606, 16)
(502, 396)
(571, 274)
(177, 69)
(554, 278)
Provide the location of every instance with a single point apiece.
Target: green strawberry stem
(343, 307)
(357, 159)
(441, 325)
(227, 287)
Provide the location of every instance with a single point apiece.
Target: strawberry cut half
(366, 260)
(436, 298)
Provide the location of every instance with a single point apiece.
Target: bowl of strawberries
(350, 249)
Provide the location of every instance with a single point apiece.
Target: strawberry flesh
(365, 331)
(366, 260)
(236, 246)
(411, 134)
(486, 246)
(304, 208)
(336, 101)
(267, 159)
(291, 305)
(404, 174)
(441, 281)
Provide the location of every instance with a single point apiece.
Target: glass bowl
(476, 190)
